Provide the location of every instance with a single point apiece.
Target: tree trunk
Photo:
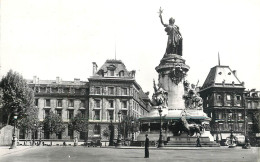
(8, 118)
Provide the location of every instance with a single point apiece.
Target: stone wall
(6, 135)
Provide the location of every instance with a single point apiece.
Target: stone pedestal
(172, 71)
(180, 141)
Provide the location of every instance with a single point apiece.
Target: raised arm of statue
(160, 15)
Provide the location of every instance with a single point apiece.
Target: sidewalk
(4, 150)
(179, 148)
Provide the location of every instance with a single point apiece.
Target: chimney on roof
(57, 80)
(235, 72)
(37, 80)
(94, 68)
(133, 73)
(34, 79)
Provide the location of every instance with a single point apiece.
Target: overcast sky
(63, 37)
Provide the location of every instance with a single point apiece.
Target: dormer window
(111, 69)
(121, 73)
(112, 72)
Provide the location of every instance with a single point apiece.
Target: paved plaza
(80, 153)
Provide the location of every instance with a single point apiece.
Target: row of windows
(111, 103)
(111, 72)
(59, 90)
(110, 114)
(59, 103)
(228, 127)
(228, 97)
(230, 116)
(253, 104)
(111, 91)
(70, 113)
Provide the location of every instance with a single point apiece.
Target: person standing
(76, 141)
(198, 142)
(146, 146)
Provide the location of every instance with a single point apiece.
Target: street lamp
(132, 122)
(160, 137)
(111, 138)
(245, 125)
(232, 145)
(40, 142)
(34, 133)
(14, 141)
(119, 133)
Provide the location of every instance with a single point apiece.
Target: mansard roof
(222, 76)
(118, 68)
(57, 82)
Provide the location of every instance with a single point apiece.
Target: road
(58, 153)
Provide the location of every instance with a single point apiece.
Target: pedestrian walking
(146, 146)
(76, 141)
(198, 142)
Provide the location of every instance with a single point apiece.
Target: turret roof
(222, 76)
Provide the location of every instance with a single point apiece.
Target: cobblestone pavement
(59, 153)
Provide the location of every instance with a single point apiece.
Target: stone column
(172, 71)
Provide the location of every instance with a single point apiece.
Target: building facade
(252, 104)
(227, 103)
(65, 98)
(110, 90)
(113, 89)
(223, 98)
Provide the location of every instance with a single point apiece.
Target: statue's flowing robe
(174, 44)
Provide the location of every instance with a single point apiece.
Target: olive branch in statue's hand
(160, 12)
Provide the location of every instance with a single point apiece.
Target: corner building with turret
(230, 107)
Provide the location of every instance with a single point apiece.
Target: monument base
(176, 141)
(181, 141)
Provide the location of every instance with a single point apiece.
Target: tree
(53, 124)
(127, 127)
(16, 96)
(256, 122)
(80, 124)
(28, 124)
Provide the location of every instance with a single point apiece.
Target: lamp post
(14, 141)
(119, 133)
(232, 144)
(86, 129)
(160, 137)
(245, 125)
(132, 122)
(34, 127)
(111, 138)
(40, 142)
